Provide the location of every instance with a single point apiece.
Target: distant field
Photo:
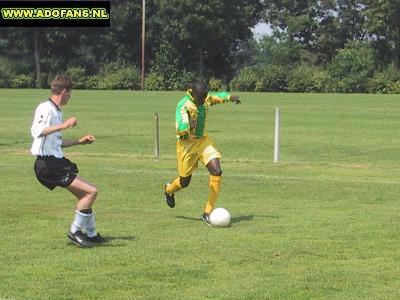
(323, 223)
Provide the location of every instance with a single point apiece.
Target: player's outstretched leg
(214, 168)
(176, 185)
(84, 216)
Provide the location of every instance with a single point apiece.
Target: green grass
(323, 223)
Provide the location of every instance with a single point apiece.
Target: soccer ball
(220, 217)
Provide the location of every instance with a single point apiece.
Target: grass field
(323, 223)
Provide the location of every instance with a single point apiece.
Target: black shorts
(52, 171)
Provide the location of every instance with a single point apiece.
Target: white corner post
(157, 136)
(277, 137)
(143, 41)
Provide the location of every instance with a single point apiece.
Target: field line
(265, 176)
(172, 157)
(141, 157)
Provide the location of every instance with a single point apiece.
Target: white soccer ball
(220, 217)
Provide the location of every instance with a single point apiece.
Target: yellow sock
(214, 187)
(174, 186)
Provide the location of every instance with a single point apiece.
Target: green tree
(278, 49)
(53, 50)
(352, 67)
(383, 26)
(321, 27)
(203, 37)
(295, 17)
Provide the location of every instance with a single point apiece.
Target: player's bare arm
(87, 139)
(235, 99)
(69, 123)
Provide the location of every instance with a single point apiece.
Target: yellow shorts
(190, 152)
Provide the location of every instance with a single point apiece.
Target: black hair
(199, 87)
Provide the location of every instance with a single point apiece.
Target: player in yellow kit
(194, 144)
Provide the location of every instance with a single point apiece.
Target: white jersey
(47, 114)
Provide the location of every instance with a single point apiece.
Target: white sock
(80, 221)
(91, 226)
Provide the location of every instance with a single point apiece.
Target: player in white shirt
(53, 169)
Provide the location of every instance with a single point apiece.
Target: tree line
(315, 46)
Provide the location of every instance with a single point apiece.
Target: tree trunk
(397, 49)
(201, 63)
(37, 57)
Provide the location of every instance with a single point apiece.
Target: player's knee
(216, 172)
(93, 192)
(184, 181)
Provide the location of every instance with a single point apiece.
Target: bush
(92, 82)
(114, 76)
(214, 84)
(305, 78)
(182, 81)
(23, 81)
(7, 72)
(176, 80)
(352, 67)
(323, 81)
(245, 81)
(45, 79)
(394, 88)
(272, 78)
(78, 76)
(384, 82)
(154, 82)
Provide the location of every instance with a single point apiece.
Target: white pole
(143, 41)
(276, 142)
(157, 136)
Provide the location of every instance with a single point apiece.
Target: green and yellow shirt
(187, 112)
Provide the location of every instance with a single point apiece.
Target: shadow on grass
(116, 241)
(120, 242)
(267, 216)
(238, 219)
(213, 131)
(120, 238)
(189, 218)
(248, 218)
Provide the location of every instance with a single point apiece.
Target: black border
(58, 22)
